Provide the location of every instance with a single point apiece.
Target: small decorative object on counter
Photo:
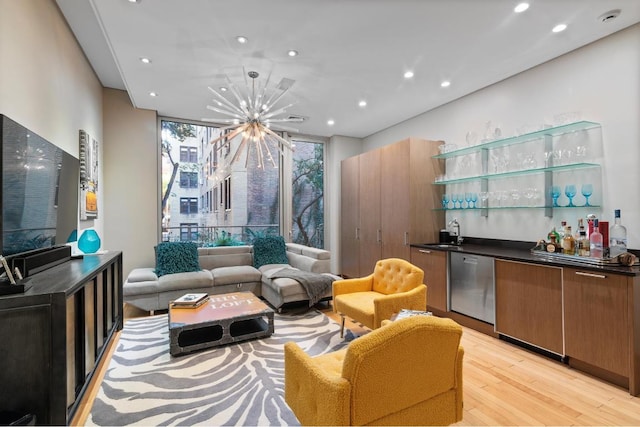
(89, 241)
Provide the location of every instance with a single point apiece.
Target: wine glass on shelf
(555, 194)
(460, 200)
(454, 200)
(474, 199)
(467, 198)
(445, 201)
(484, 196)
(570, 192)
(587, 191)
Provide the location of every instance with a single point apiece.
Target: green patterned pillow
(176, 257)
(269, 250)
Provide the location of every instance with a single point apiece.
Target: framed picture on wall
(88, 177)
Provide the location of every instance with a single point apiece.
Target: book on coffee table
(191, 300)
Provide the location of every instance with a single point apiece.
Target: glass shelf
(494, 208)
(552, 131)
(574, 166)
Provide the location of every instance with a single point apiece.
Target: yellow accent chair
(408, 372)
(394, 284)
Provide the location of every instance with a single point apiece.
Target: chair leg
(342, 326)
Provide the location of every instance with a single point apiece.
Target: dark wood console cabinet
(53, 336)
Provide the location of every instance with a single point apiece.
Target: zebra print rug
(237, 384)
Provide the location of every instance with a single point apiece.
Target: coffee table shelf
(224, 319)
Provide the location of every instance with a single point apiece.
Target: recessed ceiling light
(154, 94)
(362, 103)
(292, 53)
(559, 28)
(135, 1)
(408, 74)
(521, 7)
(445, 83)
(223, 89)
(145, 60)
(242, 39)
(330, 122)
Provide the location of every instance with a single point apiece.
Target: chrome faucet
(454, 230)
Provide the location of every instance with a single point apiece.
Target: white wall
(46, 83)
(601, 81)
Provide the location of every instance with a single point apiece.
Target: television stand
(55, 334)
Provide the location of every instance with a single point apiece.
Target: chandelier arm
(225, 100)
(271, 102)
(230, 136)
(226, 112)
(241, 101)
(276, 112)
(279, 138)
(240, 149)
(268, 150)
(219, 120)
(264, 91)
(285, 128)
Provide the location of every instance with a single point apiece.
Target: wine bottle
(617, 236)
(595, 241)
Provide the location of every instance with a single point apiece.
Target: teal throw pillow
(269, 250)
(176, 257)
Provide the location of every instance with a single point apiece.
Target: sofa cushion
(234, 275)
(143, 274)
(187, 281)
(269, 250)
(176, 257)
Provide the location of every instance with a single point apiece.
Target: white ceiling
(349, 50)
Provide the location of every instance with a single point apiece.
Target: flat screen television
(40, 185)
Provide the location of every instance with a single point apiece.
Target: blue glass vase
(89, 241)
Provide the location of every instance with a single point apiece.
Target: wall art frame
(88, 177)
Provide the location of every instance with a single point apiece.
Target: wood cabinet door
(596, 319)
(529, 303)
(349, 207)
(434, 265)
(369, 210)
(395, 202)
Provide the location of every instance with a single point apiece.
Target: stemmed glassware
(467, 198)
(474, 199)
(445, 201)
(454, 199)
(570, 192)
(484, 196)
(555, 194)
(587, 191)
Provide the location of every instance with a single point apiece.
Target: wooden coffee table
(224, 319)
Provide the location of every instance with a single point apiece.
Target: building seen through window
(208, 201)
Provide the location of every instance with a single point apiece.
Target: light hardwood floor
(503, 385)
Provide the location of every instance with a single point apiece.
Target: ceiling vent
(609, 16)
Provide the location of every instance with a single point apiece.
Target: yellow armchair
(408, 372)
(394, 284)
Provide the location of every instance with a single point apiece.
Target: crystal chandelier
(251, 113)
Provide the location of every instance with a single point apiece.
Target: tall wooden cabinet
(394, 201)
(53, 336)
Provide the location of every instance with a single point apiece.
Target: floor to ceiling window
(307, 193)
(211, 202)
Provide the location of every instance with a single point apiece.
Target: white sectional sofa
(227, 269)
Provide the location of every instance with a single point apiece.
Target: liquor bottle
(617, 236)
(583, 244)
(568, 242)
(561, 231)
(595, 241)
(579, 229)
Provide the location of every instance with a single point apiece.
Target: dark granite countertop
(521, 251)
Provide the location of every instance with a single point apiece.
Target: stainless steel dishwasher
(471, 286)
